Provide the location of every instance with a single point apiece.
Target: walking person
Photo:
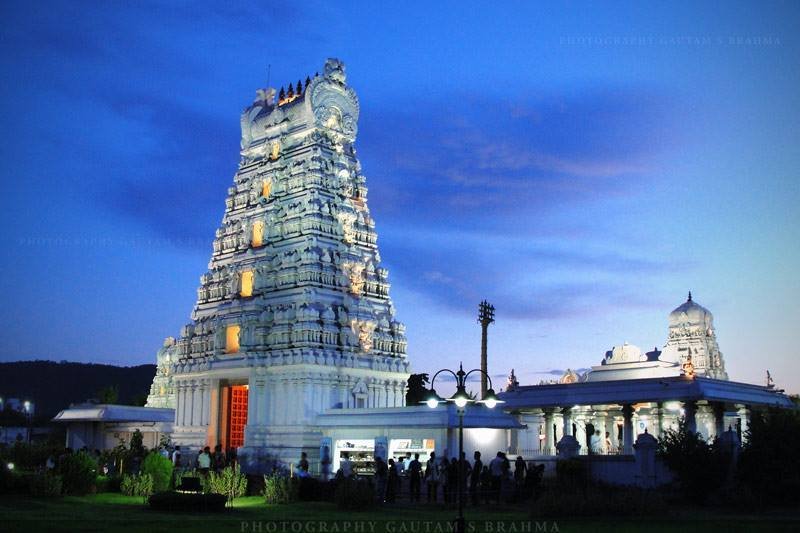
(204, 461)
(432, 477)
(415, 477)
(475, 478)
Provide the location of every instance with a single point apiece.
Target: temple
(631, 393)
(293, 316)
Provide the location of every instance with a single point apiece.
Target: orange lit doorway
(235, 397)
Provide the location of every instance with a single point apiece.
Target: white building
(293, 316)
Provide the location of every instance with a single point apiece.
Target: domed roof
(690, 312)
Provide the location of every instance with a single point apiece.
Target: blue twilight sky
(580, 165)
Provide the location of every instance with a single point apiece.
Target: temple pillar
(212, 432)
(205, 393)
(601, 423)
(196, 404)
(719, 419)
(627, 429)
(744, 421)
(566, 419)
(549, 439)
(690, 415)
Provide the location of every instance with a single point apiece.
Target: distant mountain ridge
(53, 386)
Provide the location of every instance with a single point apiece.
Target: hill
(52, 386)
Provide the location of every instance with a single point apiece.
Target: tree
(698, 466)
(768, 463)
(416, 389)
(109, 394)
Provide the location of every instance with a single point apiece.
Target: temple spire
(690, 297)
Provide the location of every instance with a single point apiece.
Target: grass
(116, 512)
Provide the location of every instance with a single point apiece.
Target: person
(391, 482)
(381, 474)
(594, 442)
(345, 466)
(475, 478)
(302, 466)
(432, 477)
(204, 461)
(444, 469)
(608, 442)
(486, 484)
(176, 457)
(496, 469)
(520, 472)
(466, 472)
(164, 452)
(218, 459)
(452, 480)
(415, 477)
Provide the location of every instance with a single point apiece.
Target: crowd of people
(494, 482)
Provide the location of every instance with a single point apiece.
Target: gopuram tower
(293, 316)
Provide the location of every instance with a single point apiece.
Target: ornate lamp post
(485, 317)
(461, 399)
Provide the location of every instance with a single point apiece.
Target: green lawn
(115, 512)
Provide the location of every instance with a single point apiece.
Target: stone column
(601, 424)
(212, 433)
(206, 403)
(196, 405)
(549, 438)
(566, 418)
(719, 419)
(658, 414)
(744, 419)
(690, 414)
(627, 429)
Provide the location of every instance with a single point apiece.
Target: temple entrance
(235, 409)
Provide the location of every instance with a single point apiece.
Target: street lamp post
(461, 399)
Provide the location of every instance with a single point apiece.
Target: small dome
(627, 353)
(690, 313)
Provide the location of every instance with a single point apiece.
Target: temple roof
(626, 391)
(91, 412)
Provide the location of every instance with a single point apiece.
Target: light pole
(27, 407)
(461, 399)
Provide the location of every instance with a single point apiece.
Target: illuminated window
(258, 233)
(266, 188)
(232, 339)
(246, 288)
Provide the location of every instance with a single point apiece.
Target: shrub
(45, 485)
(160, 469)
(108, 483)
(700, 468)
(137, 485)
(78, 472)
(572, 474)
(230, 482)
(280, 489)
(177, 501)
(354, 494)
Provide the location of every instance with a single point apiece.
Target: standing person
(465, 473)
(302, 465)
(218, 459)
(176, 458)
(496, 470)
(391, 482)
(452, 479)
(608, 443)
(444, 468)
(345, 466)
(204, 461)
(520, 473)
(415, 477)
(432, 477)
(475, 478)
(594, 442)
(381, 474)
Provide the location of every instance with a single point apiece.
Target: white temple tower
(692, 334)
(293, 316)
